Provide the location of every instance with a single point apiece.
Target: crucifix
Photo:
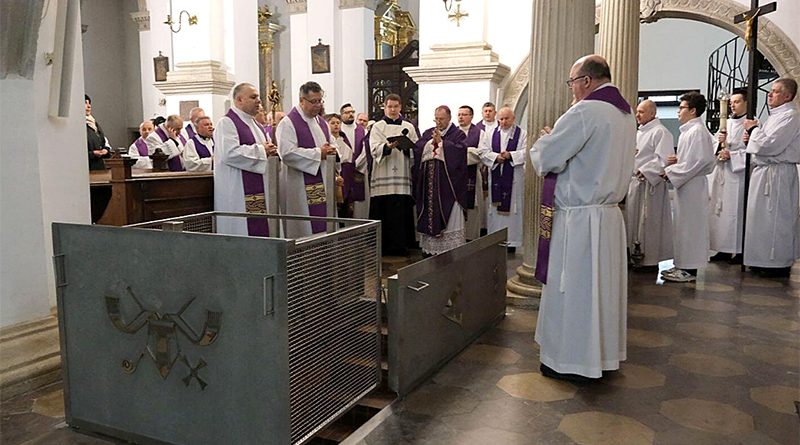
(751, 39)
(458, 15)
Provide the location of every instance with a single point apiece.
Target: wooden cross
(751, 39)
(458, 15)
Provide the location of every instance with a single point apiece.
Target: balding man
(440, 185)
(240, 166)
(167, 137)
(588, 163)
(503, 152)
(199, 153)
(138, 150)
(771, 239)
(191, 127)
(649, 220)
(362, 120)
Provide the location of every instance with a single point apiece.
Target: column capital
(142, 20)
(350, 4)
(297, 6)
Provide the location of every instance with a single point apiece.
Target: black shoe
(775, 272)
(721, 256)
(648, 269)
(575, 378)
(512, 250)
(736, 259)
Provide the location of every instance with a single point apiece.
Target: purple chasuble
(141, 147)
(610, 95)
(439, 185)
(472, 140)
(315, 186)
(175, 164)
(503, 178)
(252, 183)
(200, 147)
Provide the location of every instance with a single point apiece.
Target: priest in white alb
(726, 208)
(503, 152)
(688, 172)
(649, 216)
(303, 145)
(240, 166)
(476, 209)
(771, 242)
(587, 160)
(138, 150)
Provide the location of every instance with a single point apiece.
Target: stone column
(266, 45)
(619, 44)
(563, 31)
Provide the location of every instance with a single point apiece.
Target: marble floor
(716, 362)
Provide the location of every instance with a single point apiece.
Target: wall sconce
(169, 22)
(447, 5)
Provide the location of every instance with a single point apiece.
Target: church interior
(712, 361)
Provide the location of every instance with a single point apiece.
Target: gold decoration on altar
(394, 28)
(274, 97)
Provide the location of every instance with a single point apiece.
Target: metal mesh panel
(202, 222)
(334, 348)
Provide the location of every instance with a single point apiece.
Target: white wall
(111, 49)
(44, 178)
(673, 54)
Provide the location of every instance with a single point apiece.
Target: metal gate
(171, 336)
(438, 306)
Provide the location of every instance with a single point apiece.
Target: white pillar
(619, 44)
(44, 172)
(356, 38)
(456, 64)
(563, 31)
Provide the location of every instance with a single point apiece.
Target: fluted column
(619, 44)
(563, 31)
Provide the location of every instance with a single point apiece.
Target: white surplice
(582, 321)
(726, 208)
(690, 205)
(192, 161)
(512, 220)
(772, 207)
(230, 158)
(649, 216)
(141, 161)
(171, 147)
(296, 161)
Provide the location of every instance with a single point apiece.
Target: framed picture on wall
(320, 58)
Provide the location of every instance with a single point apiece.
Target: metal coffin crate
(172, 333)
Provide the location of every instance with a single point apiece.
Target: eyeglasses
(571, 81)
(314, 102)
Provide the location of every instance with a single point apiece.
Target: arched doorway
(773, 43)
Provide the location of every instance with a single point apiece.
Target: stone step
(29, 356)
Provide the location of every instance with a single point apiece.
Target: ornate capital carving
(142, 20)
(297, 6)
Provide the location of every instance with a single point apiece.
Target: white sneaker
(680, 276)
(670, 270)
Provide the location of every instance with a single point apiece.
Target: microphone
(405, 132)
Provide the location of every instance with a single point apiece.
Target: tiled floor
(717, 362)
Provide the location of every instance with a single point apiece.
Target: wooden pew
(140, 195)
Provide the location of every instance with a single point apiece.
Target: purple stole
(200, 147)
(503, 178)
(611, 96)
(348, 173)
(473, 139)
(358, 190)
(252, 183)
(266, 129)
(175, 164)
(141, 147)
(315, 186)
(190, 131)
(439, 185)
